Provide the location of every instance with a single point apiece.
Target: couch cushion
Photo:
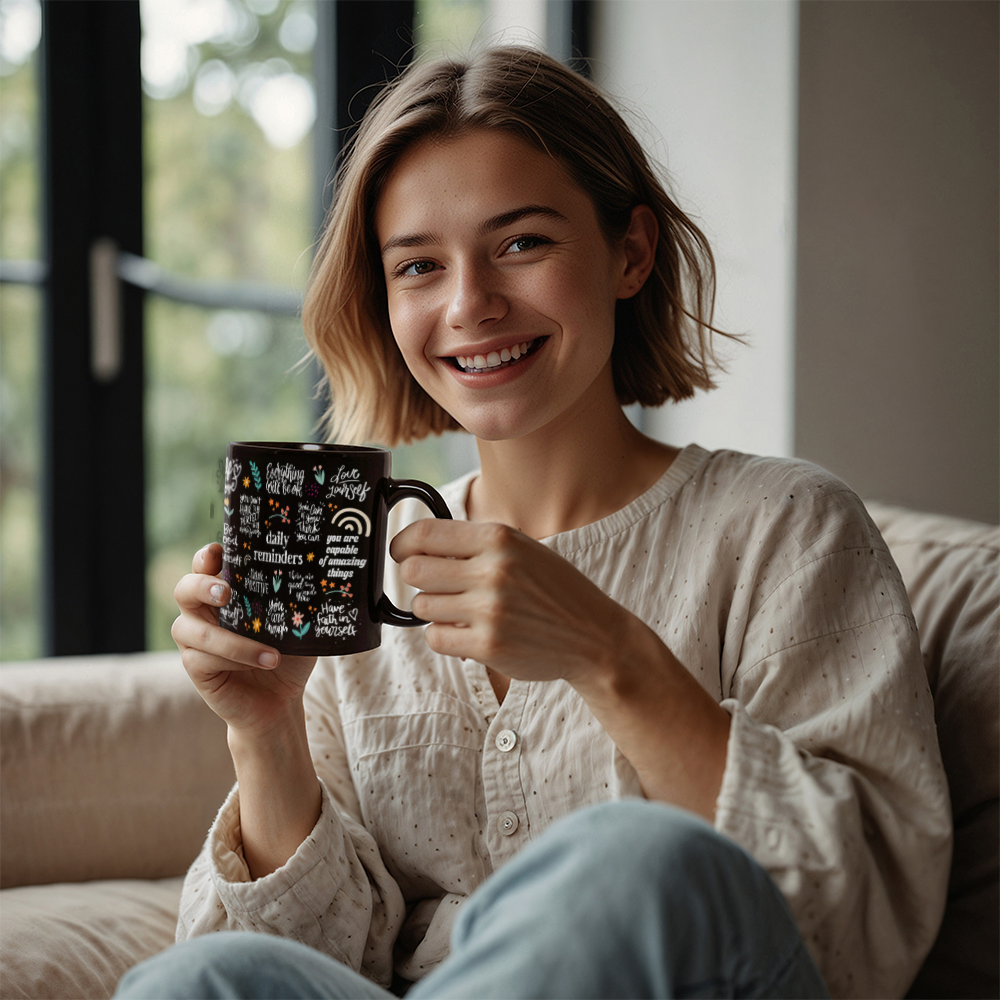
(70, 941)
(951, 569)
(113, 767)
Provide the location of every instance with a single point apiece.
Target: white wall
(716, 82)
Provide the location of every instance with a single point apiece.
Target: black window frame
(94, 280)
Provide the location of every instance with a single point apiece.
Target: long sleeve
(334, 894)
(834, 780)
(768, 581)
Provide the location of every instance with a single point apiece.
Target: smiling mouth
(495, 360)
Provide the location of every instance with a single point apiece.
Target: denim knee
(625, 856)
(637, 849)
(645, 840)
(240, 965)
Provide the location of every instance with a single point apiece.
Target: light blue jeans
(627, 899)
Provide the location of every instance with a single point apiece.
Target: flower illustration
(281, 513)
(297, 619)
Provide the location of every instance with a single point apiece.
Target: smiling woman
(610, 618)
(662, 347)
(538, 273)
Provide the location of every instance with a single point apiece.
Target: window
(150, 312)
(20, 319)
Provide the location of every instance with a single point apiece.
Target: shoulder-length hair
(662, 348)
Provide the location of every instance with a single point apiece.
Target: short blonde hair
(662, 347)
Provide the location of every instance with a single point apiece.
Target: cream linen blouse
(768, 581)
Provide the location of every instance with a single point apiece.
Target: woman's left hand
(497, 596)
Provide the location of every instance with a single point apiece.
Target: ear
(639, 247)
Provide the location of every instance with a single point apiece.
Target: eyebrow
(491, 225)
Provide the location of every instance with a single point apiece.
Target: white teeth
(494, 359)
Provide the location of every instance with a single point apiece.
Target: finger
(451, 609)
(435, 574)
(453, 640)
(211, 648)
(454, 539)
(208, 559)
(196, 590)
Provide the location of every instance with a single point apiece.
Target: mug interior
(306, 446)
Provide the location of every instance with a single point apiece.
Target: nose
(475, 299)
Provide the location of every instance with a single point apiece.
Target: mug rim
(309, 447)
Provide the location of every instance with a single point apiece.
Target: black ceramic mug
(304, 544)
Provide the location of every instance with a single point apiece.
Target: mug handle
(402, 489)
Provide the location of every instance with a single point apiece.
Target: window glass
(229, 113)
(20, 318)
(442, 26)
(448, 26)
(222, 375)
(229, 198)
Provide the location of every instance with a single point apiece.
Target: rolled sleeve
(333, 894)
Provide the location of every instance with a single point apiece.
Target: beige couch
(112, 769)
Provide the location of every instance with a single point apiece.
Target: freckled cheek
(412, 332)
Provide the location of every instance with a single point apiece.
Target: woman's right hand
(259, 695)
(247, 684)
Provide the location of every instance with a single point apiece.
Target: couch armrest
(112, 767)
(951, 568)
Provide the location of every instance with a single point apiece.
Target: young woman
(668, 727)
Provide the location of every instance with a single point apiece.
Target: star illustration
(256, 624)
(246, 482)
(310, 557)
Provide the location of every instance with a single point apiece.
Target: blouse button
(507, 823)
(506, 740)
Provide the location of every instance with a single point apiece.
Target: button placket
(502, 778)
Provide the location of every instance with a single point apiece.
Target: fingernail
(218, 593)
(268, 660)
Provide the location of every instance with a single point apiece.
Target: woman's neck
(552, 481)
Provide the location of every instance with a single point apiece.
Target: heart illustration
(353, 614)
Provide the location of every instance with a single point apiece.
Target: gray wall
(897, 368)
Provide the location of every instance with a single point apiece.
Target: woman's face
(501, 286)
